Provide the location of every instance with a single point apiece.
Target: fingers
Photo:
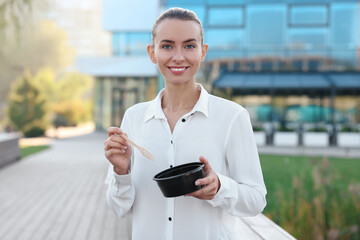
(206, 193)
(115, 140)
(211, 183)
(207, 167)
(113, 130)
(113, 151)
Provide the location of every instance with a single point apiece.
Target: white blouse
(219, 130)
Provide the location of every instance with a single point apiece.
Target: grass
(313, 198)
(279, 172)
(28, 150)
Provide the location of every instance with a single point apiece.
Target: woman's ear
(204, 50)
(151, 53)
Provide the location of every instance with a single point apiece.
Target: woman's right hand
(118, 151)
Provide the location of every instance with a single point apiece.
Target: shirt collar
(155, 110)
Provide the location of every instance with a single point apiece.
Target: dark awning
(289, 83)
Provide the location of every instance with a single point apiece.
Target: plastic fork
(143, 151)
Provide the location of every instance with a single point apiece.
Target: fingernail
(197, 183)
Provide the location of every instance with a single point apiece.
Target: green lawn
(307, 191)
(26, 151)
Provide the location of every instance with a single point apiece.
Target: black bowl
(180, 180)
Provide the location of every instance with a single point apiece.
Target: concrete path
(59, 193)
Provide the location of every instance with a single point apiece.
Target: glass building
(284, 33)
(284, 56)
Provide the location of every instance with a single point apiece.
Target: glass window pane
(307, 38)
(224, 39)
(225, 16)
(198, 9)
(345, 27)
(308, 60)
(178, 3)
(344, 60)
(309, 15)
(225, 2)
(310, 1)
(119, 44)
(216, 54)
(138, 42)
(266, 25)
(130, 43)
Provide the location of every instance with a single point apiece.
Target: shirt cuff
(223, 191)
(122, 179)
(122, 184)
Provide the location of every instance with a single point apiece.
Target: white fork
(143, 151)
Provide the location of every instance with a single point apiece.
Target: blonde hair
(179, 14)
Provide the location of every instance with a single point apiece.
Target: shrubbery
(36, 102)
(27, 107)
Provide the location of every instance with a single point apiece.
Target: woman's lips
(177, 70)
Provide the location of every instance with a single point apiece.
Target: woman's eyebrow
(171, 41)
(190, 40)
(165, 40)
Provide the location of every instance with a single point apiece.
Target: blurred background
(293, 64)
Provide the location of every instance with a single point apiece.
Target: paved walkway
(59, 193)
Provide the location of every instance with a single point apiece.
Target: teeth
(178, 69)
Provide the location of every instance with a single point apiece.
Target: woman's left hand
(211, 182)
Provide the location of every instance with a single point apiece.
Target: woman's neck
(180, 97)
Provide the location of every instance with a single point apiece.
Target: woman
(183, 124)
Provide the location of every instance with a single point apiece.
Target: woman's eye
(190, 46)
(166, 46)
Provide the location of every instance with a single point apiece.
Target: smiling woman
(183, 124)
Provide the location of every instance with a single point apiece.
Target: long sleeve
(242, 193)
(120, 194)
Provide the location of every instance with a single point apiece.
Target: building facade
(251, 36)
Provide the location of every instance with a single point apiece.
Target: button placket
(170, 218)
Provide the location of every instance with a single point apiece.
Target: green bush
(34, 132)
(27, 107)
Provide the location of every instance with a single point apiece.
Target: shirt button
(183, 120)
(171, 142)
(170, 219)
(171, 166)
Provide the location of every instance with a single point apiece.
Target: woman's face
(177, 50)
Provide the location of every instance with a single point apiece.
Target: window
(225, 2)
(224, 39)
(308, 15)
(177, 2)
(226, 16)
(130, 43)
(308, 38)
(198, 9)
(311, 1)
(345, 27)
(265, 25)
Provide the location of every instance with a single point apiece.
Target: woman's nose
(178, 56)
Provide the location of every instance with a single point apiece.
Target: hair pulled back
(179, 14)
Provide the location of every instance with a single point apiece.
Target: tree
(39, 46)
(13, 12)
(27, 107)
(73, 100)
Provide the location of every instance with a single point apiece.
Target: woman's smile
(178, 69)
